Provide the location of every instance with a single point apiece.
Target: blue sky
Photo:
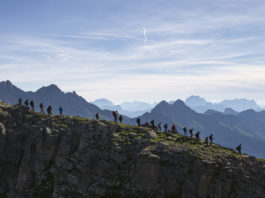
(136, 50)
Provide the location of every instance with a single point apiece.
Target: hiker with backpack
(159, 126)
(138, 122)
(197, 135)
(191, 133)
(26, 102)
(20, 101)
(120, 118)
(165, 127)
(49, 110)
(153, 124)
(32, 104)
(185, 131)
(206, 141)
(42, 108)
(61, 110)
(211, 138)
(97, 116)
(115, 115)
(238, 148)
(173, 128)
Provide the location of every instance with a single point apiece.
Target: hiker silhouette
(42, 108)
(173, 128)
(115, 115)
(20, 101)
(49, 110)
(138, 121)
(26, 102)
(206, 141)
(191, 133)
(197, 135)
(61, 110)
(211, 138)
(185, 131)
(152, 124)
(97, 116)
(159, 126)
(120, 118)
(32, 104)
(238, 148)
(165, 127)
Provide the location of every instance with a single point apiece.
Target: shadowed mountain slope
(72, 103)
(247, 128)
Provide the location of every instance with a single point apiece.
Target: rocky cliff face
(52, 156)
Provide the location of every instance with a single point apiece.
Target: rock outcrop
(53, 156)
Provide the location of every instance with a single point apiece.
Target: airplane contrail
(145, 35)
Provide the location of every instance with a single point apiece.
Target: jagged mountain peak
(6, 83)
(50, 89)
(194, 101)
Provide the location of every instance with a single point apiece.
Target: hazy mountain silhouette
(72, 103)
(137, 106)
(230, 111)
(106, 104)
(130, 109)
(200, 105)
(103, 102)
(247, 127)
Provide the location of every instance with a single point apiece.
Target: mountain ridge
(230, 130)
(60, 156)
(72, 103)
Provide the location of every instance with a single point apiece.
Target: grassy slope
(127, 135)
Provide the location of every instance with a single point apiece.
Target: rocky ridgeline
(52, 156)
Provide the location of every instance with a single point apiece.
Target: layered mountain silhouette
(246, 128)
(229, 128)
(130, 109)
(200, 105)
(72, 103)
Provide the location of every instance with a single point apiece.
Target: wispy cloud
(214, 54)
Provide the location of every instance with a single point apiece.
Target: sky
(127, 50)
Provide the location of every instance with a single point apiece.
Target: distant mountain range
(247, 127)
(131, 109)
(200, 105)
(230, 127)
(72, 103)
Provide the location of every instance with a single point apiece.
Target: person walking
(165, 127)
(20, 101)
(42, 108)
(211, 138)
(159, 126)
(61, 110)
(191, 133)
(185, 131)
(138, 122)
(97, 116)
(197, 135)
(32, 104)
(238, 148)
(49, 110)
(120, 118)
(26, 102)
(173, 128)
(206, 141)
